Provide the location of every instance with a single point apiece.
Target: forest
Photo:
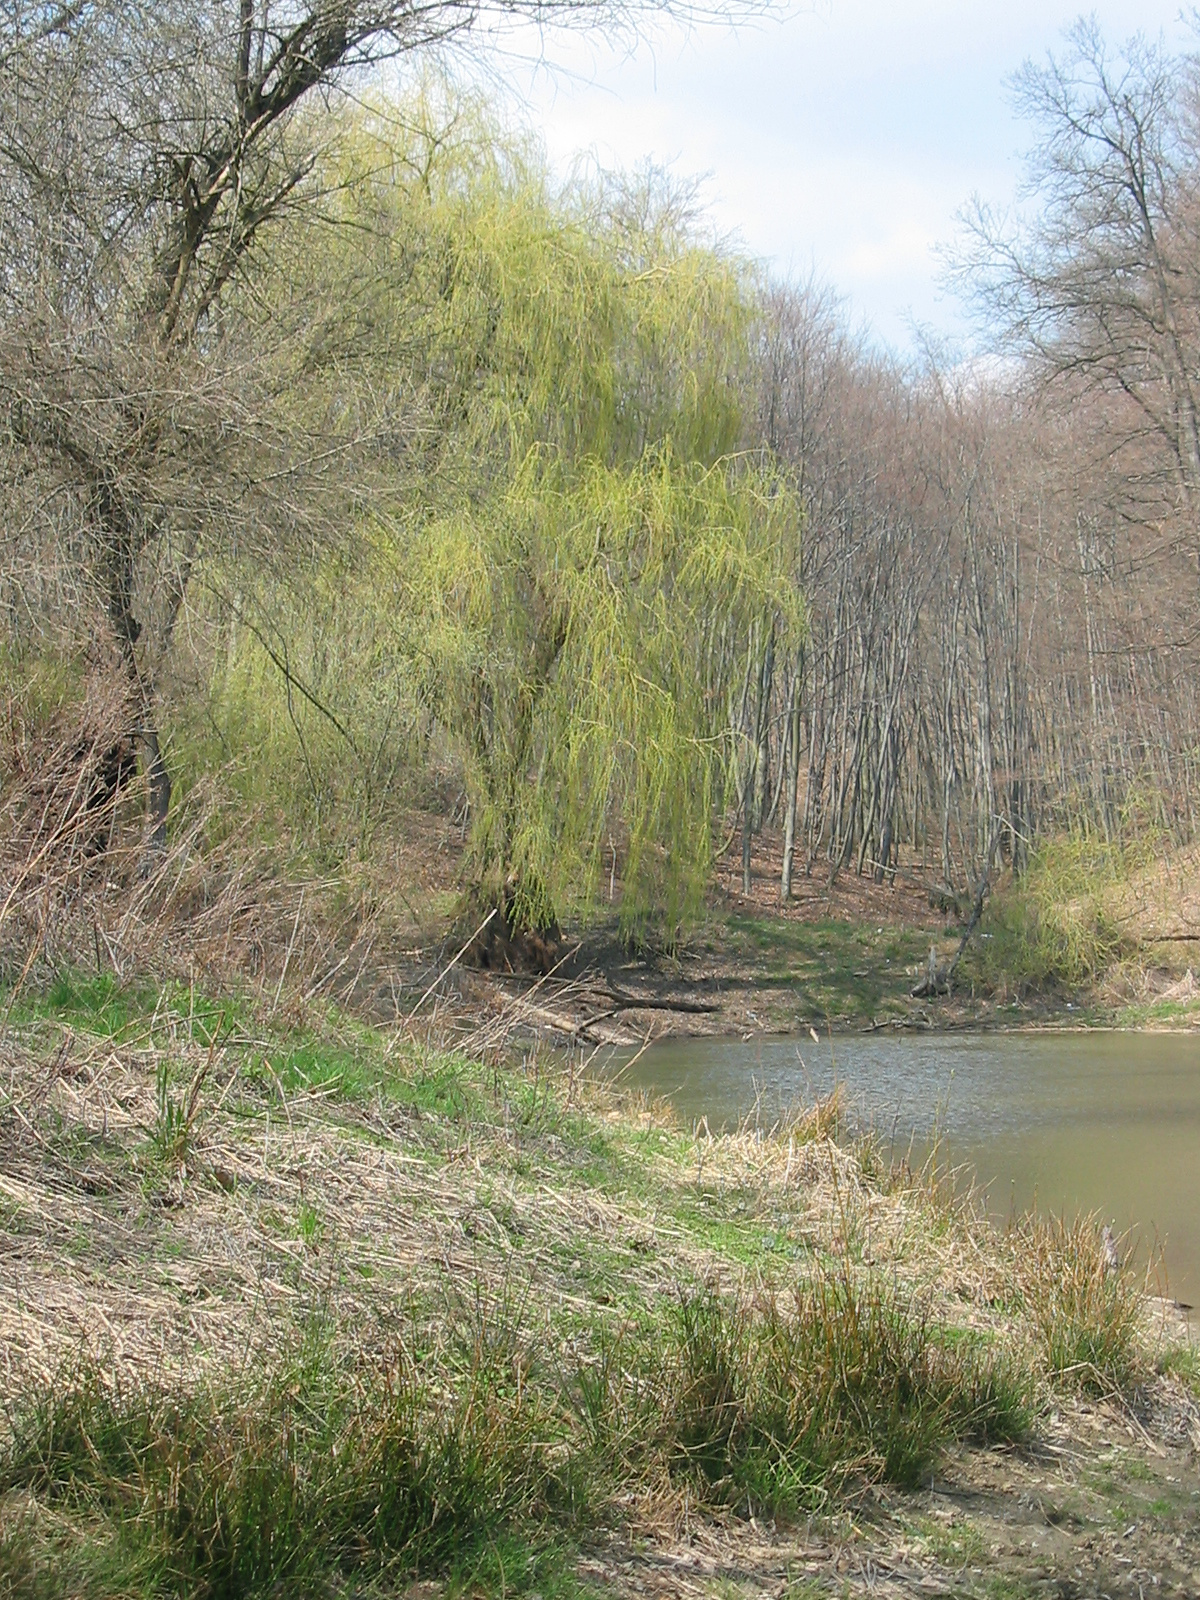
(440, 590)
(356, 449)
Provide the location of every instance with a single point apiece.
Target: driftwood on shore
(598, 1007)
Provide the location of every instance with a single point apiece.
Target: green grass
(1183, 1362)
(955, 1544)
(706, 1339)
(781, 1402)
(465, 1439)
(126, 1013)
(309, 1225)
(287, 1479)
(1086, 1320)
(1006, 1586)
(1156, 1013)
(839, 970)
(338, 1054)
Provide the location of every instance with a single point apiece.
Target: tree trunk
(793, 783)
(747, 820)
(158, 780)
(121, 576)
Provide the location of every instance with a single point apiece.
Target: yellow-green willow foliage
(576, 638)
(573, 548)
(498, 311)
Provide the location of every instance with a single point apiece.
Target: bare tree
(1101, 284)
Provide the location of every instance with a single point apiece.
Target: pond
(1091, 1121)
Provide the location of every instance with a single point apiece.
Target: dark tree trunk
(158, 781)
(121, 573)
(793, 783)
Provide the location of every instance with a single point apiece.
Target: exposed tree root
(502, 943)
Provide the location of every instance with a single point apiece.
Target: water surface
(1106, 1122)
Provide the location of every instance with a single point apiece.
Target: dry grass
(401, 1202)
(229, 904)
(664, 1326)
(1161, 899)
(169, 1188)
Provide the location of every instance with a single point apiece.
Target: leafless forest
(1001, 558)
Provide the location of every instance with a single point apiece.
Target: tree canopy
(148, 155)
(574, 562)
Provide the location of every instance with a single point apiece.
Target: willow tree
(149, 155)
(573, 587)
(574, 639)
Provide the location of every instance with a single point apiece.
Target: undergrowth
(1056, 925)
(421, 1457)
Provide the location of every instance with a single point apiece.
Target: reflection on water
(1106, 1122)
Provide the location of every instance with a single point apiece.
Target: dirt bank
(844, 955)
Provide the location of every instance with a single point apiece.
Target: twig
(25, 970)
(287, 958)
(448, 967)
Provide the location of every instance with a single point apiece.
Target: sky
(843, 137)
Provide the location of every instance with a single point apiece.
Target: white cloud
(847, 135)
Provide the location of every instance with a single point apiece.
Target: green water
(1104, 1122)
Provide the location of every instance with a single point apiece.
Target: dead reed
(82, 886)
(1087, 1315)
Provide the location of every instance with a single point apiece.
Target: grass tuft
(277, 1482)
(1086, 1317)
(773, 1405)
(431, 1458)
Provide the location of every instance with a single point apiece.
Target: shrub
(1055, 924)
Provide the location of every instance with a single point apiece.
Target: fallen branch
(624, 1001)
(527, 1011)
(940, 980)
